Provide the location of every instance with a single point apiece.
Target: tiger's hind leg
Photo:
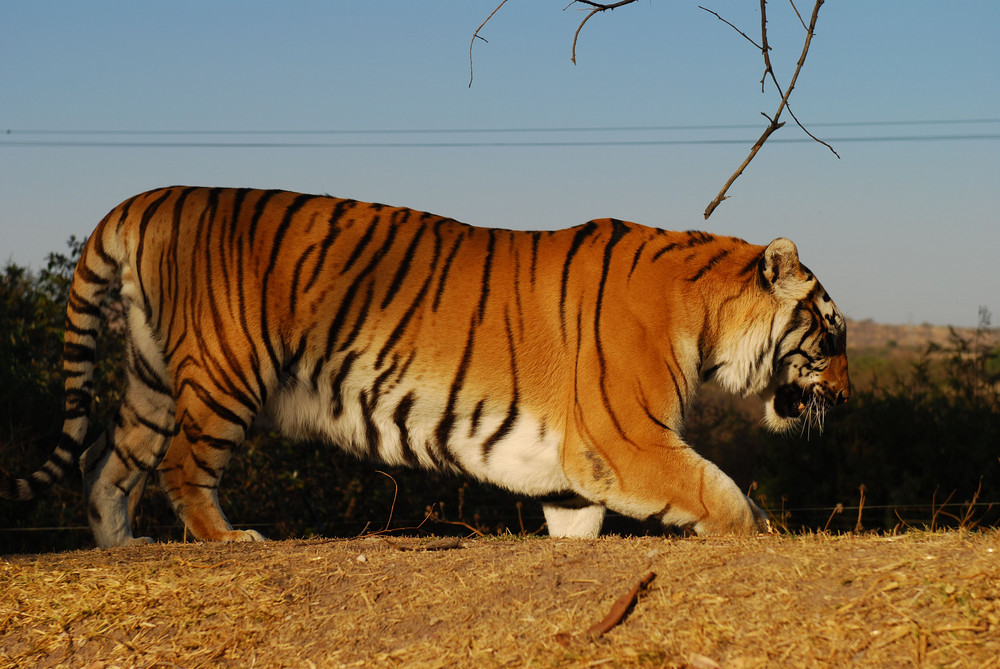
(116, 467)
(208, 431)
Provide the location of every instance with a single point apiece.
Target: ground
(923, 598)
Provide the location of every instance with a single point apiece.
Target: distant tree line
(922, 439)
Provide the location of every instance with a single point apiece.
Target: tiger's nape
(558, 365)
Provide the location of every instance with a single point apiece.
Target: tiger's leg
(668, 482)
(192, 467)
(116, 467)
(573, 517)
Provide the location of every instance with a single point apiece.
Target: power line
(481, 144)
(508, 130)
(182, 138)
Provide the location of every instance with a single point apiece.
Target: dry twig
(858, 527)
(475, 36)
(615, 615)
(620, 608)
(782, 106)
(836, 510)
(597, 8)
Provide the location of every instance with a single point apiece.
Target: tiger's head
(809, 339)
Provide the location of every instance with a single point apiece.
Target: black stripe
(78, 353)
(239, 197)
(254, 359)
(752, 264)
(713, 261)
(82, 305)
(293, 293)
(399, 417)
(477, 415)
(145, 220)
(361, 318)
(166, 432)
(78, 402)
(447, 424)
(535, 237)
(362, 244)
(163, 295)
(331, 237)
(578, 238)
(251, 398)
(337, 383)
(635, 258)
(618, 231)
(217, 408)
(258, 212)
(67, 443)
(404, 267)
(97, 245)
(80, 332)
(143, 371)
(292, 361)
(352, 291)
(484, 284)
(681, 394)
(513, 411)
(444, 270)
(666, 249)
(368, 403)
(290, 211)
(397, 331)
(88, 275)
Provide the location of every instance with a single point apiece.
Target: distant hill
(868, 334)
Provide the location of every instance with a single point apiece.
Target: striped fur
(555, 364)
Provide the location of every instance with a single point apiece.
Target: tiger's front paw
(761, 521)
(242, 535)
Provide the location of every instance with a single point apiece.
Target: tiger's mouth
(790, 400)
(794, 404)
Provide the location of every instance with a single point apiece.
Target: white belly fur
(525, 461)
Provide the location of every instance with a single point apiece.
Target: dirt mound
(771, 601)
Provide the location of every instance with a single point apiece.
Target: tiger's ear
(781, 262)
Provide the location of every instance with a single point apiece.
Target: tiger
(558, 365)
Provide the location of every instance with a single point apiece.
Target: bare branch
(475, 35)
(774, 122)
(604, 6)
(765, 49)
(806, 130)
(769, 70)
(792, 3)
(745, 36)
(753, 152)
(597, 8)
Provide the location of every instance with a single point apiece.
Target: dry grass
(918, 599)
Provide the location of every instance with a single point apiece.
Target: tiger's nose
(843, 396)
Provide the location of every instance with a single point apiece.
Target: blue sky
(899, 230)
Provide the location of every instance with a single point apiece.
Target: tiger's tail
(92, 278)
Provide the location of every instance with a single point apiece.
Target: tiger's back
(555, 364)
